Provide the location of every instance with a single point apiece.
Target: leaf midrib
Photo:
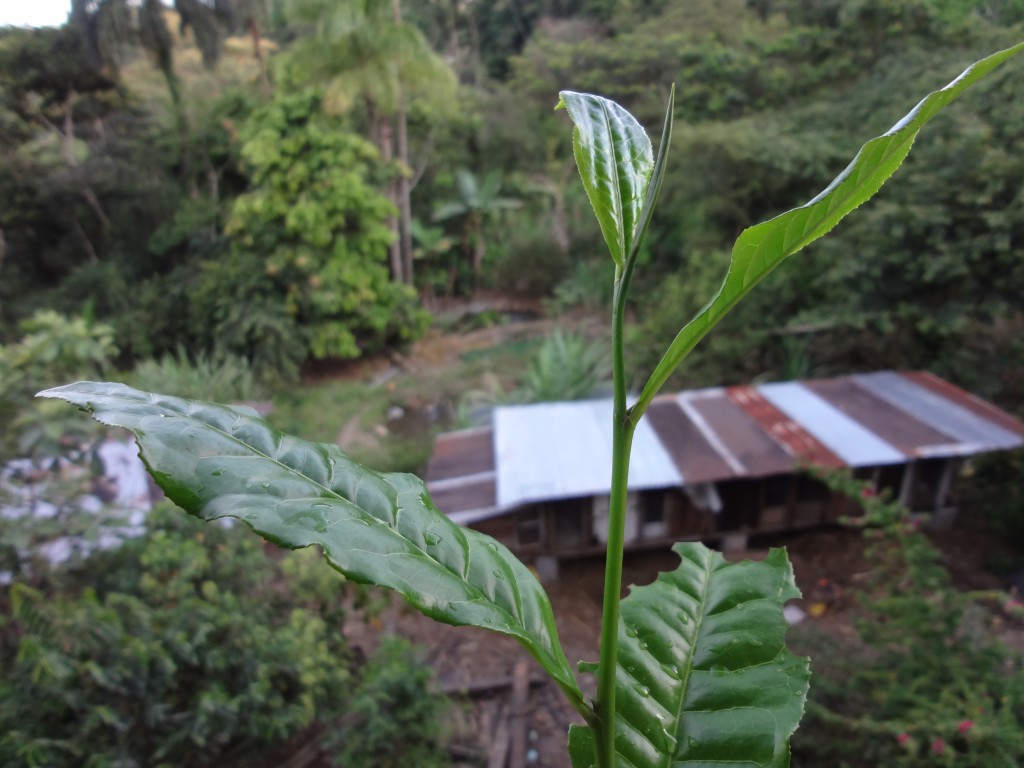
(373, 520)
(616, 182)
(685, 682)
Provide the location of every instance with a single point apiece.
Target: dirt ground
(463, 657)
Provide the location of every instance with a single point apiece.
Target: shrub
(187, 647)
(928, 684)
(567, 367)
(53, 348)
(389, 722)
(321, 253)
(229, 376)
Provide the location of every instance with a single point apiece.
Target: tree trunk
(479, 249)
(403, 198)
(257, 50)
(387, 155)
(68, 151)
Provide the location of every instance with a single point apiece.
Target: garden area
(363, 222)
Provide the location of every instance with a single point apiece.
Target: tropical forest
(362, 223)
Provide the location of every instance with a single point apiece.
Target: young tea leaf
(761, 248)
(615, 160)
(216, 461)
(703, 675)
(654, 185)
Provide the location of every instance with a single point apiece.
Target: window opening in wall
(569, 522)
(652, 514)
(776, 490)
(530, 527)
(810, 489)
(890, 478)
(653, 509)
(929, 493)
(774, 510)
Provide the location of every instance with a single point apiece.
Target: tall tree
(112, 29)
(365, 53)
(475, 203)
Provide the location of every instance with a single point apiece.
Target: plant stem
(622, 439)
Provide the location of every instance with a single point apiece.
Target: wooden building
(713, 464)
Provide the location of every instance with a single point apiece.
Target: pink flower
(868, 492)
(939, 747)
(965, 725)
(903, 739)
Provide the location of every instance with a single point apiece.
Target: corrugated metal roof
(563, 450)
(973, 433)
(794, 440)
(852, 442)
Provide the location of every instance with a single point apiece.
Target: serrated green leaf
(615, 161)
(761, 248)
(216, 461)
(704, 678)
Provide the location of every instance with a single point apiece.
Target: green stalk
(622, 440)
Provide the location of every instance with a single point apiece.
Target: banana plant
(693, 668)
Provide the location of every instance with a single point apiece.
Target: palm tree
(112, 29)
(365, 53)
(477, 202)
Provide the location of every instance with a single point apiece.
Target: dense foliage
(192, 646)
(929, 684)
(99, 206)
(309, 237)
(52, 348)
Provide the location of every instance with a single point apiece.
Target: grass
(322, 411)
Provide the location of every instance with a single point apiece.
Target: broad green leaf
(704, 678)
(216, 461)
(761, 248)
(615, 160)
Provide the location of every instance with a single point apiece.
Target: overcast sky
(34, 13)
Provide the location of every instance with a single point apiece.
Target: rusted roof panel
(461, 453)
(563, 450)
(693, 455)
(798, 444)
(849, 440)
(742, 437)
(898, 427)
(970, 433)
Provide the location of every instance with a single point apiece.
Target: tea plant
(693, 668)
(191, 646)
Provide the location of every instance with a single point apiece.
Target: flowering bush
(925, 683)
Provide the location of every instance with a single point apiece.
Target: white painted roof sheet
(853, 443)
(564, 450)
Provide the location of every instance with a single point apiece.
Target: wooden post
(499, 745)
(517, 726)
(906, 497)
